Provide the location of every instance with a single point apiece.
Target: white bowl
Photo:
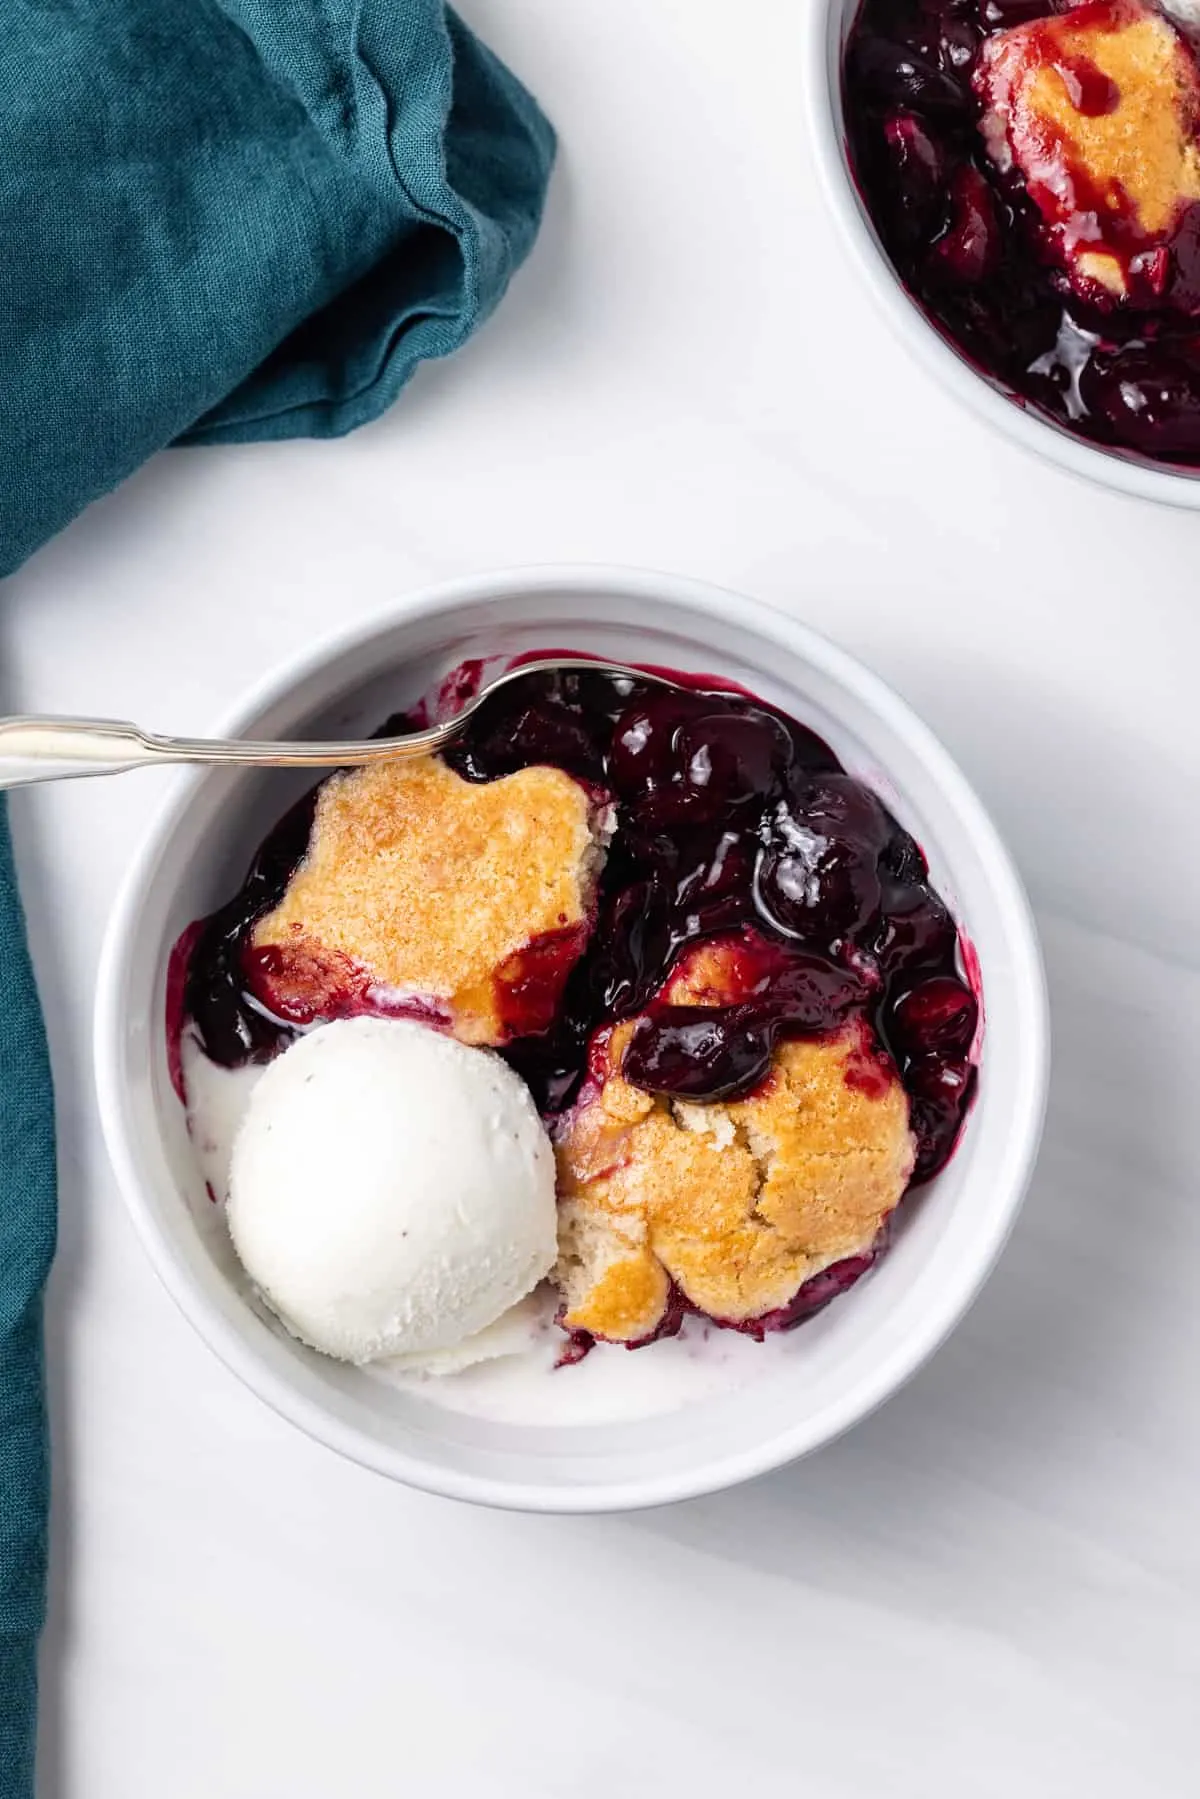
(836, 1368)
(828, 27)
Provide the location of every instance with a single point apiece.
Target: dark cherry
(736, 757)
(644, 750)
(698, 1052)
(969, 248)
(723, 1052)
(915, 929)
(937, 1018)
(1155, 405)
(819, 875)
(735, 822)
(965, 238)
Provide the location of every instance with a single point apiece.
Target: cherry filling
(965, 239)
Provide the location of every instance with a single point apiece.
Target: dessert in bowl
(649, 999)
(1022, 181)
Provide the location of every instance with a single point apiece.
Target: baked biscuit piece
(468, 902)
(1098, 111)
(739, 1203)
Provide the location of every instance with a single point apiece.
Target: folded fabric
(222, 220)
(232, 219)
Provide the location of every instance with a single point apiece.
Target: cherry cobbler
(713, 956)
(1033, 170)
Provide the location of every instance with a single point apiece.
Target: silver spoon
(62, 749)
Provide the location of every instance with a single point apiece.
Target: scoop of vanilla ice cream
(391, 1190)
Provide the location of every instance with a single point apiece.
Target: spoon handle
(63, 749)
(60, 749)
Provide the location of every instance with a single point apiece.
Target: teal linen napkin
(221, 220)
(26, 1246)
(232, 219)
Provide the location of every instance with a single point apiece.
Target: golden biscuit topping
(1098, 109)
(740, 1202)
(469, 899)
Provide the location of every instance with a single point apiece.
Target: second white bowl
(828, 27)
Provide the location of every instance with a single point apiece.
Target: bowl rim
(820, 85)
(715, 1472)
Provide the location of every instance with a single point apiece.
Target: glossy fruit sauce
(733, 822)
(965, 239)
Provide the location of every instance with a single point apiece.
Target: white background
(991, 1588)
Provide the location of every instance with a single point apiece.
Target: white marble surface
(993, 1587)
